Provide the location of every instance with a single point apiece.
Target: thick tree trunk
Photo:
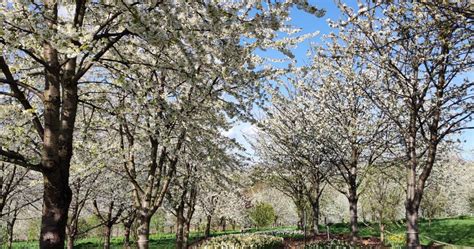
(353, 199)
(56, 199)
(107, 234)
(143, 231)
(207, 233)
(413, 240)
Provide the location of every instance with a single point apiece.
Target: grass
(456, 231)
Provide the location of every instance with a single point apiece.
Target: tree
(262, 214)
(42, 74)
(421, 50)
(196, 70)
(11, 178)
(83, 188)
(288, 146)
(203, 48)
(382, 197)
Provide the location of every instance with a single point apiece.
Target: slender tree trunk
(180, 228)
(10, 227)
(143, 231)
(301, 221)
(126, 235)
(127, 225)
(187, 229)
(70, 242)
(207, 233)
(411, 208)
(108, 231)
(315, 227)
(223, 222)
(382, 231)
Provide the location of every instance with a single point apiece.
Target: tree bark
(126, 235)
(180, 228)
(353, 199)
(56, 199)
(315, 227)
(143, 231)
(223, 222)
(10, 226)
(411, 211)
(108, 230)
(70, 242)
(187, 229)
(207, 233)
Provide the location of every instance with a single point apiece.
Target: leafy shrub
(396, 240)
(243, 241)
(262, 214)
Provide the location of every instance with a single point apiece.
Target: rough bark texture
(56, 199)
(143, 231)
(353, 216)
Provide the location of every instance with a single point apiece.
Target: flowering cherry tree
(422, 51)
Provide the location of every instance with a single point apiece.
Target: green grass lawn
(456, 231)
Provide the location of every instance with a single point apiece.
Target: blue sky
(310, 23)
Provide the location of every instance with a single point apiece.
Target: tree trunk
(187, 229)
(143, 231)
(56, 199)
(223, 222)
(127, 225)
(315, 226)
(180, 228)
(382, 230)
(413, 240)
(353, 199)
(411, 205)
(70, 242)
(108, 230)
(10, 226)
(126, 235)
(207, 233)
